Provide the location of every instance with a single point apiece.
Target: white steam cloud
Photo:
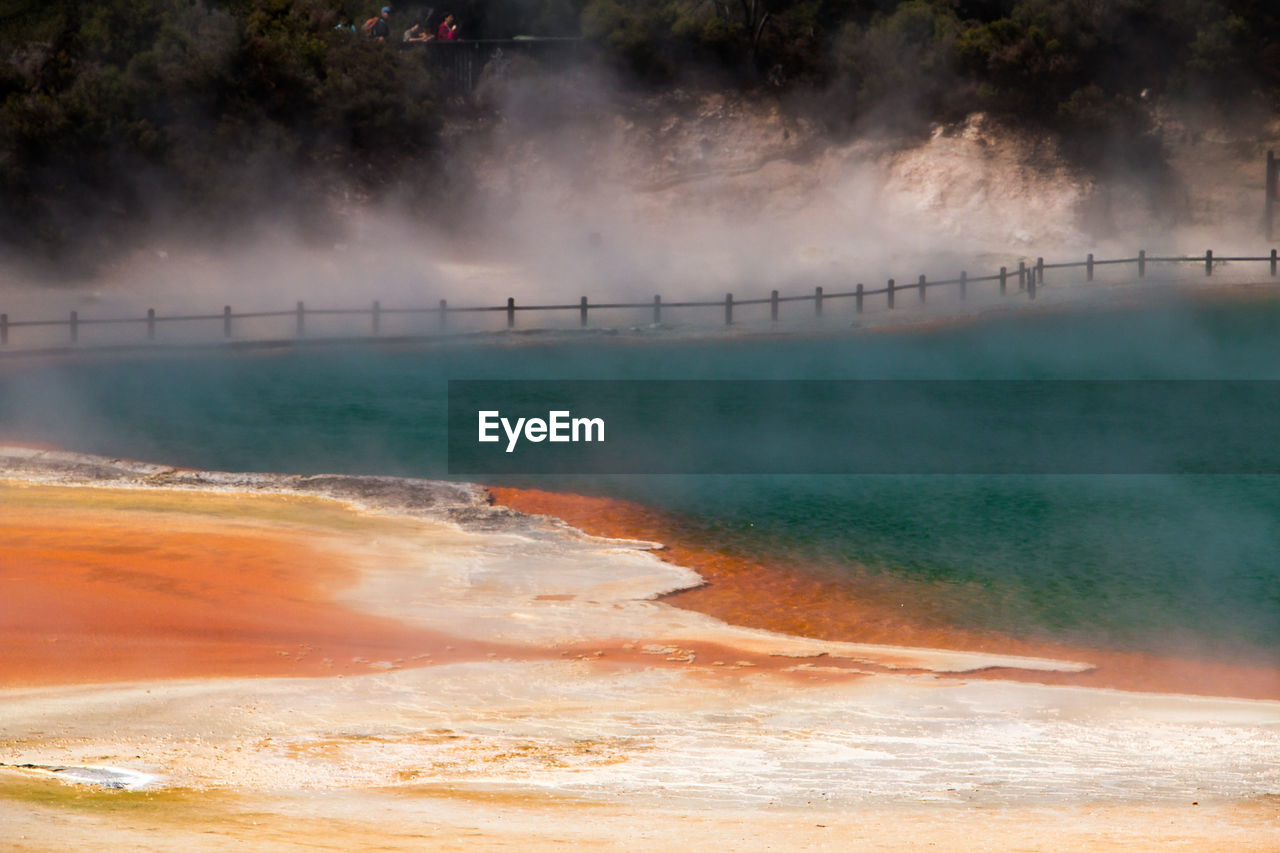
(580, 191)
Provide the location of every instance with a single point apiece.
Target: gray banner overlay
(864, 427)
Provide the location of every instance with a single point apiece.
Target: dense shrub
(130, 110)
(115, 111)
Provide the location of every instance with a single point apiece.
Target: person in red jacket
(448, 29)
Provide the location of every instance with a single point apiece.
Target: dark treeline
(121, 114)
(124, 116)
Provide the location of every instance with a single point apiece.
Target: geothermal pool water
(1150, 562)
(355, 661)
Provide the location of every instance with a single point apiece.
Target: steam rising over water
(1144, 562)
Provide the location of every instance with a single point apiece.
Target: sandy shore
(877, 609)
(342, 663)
(446, 820)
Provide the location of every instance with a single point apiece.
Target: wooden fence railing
(460, 63)
(1027, 278)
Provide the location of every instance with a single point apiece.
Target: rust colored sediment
(785, 598)
(99, 596)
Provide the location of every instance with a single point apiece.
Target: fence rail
(1027, 278)
(462, 62)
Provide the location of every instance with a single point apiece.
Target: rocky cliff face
(707, 193)
(568, 188)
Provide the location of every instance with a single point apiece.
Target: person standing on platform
(448, 30)
(417, 34)
(378, 27)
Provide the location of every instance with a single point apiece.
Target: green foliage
(660, 39)
(908, 57)
(129, 107)
(634, 34)
(112, 109)
(1217, 52)
(555, 18)
(941, 57)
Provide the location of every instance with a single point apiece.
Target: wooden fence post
(1271, 190)
(1273, 261)
(1030, 277)
(4, 328)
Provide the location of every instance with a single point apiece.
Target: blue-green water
(1133, 561)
